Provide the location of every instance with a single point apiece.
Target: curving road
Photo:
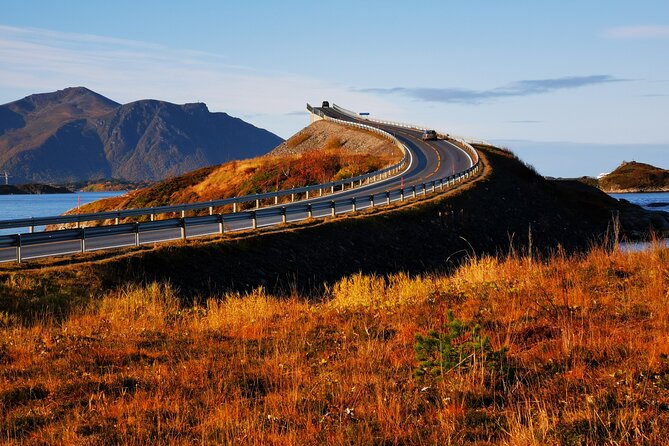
(430, 160)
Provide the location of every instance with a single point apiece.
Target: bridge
(426, 167)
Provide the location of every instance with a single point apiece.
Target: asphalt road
(430, 160)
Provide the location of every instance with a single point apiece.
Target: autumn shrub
(458, 345)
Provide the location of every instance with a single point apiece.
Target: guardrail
(81, 237)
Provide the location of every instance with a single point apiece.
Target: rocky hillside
(76, 135)
(324, 134)
(635, 177)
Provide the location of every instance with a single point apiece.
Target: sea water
(44, 205)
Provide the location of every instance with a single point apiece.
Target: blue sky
(573, 87)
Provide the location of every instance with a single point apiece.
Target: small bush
(459, 346)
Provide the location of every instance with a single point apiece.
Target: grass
(585, 360)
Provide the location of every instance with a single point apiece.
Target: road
(430, 160)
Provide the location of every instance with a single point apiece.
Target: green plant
(458, 346)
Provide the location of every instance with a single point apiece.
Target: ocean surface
(44, 205)
(653, 201)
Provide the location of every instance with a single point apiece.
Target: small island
(635, 177)
(631, 177)
(26, 189)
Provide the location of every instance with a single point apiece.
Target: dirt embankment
(509, 208)
(323, 134)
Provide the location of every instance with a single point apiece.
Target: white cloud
(37, 60)
(638, 32)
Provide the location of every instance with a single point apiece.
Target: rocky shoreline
(32, 189)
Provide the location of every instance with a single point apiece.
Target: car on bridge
(428, 135)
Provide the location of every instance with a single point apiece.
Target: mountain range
(76, 134)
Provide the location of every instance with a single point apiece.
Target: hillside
(635, 177)
(503, 351)
(76, 134)
(319, 153)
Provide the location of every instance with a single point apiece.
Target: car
(326, 104)
(428, 135)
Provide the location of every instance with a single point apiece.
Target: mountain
(76, 134)
(635, 177)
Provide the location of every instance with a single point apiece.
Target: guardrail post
(310, 213)
(432, 186)
(371, 200)
(332, 189)
(117, 220)
(353, 204)
(18, 248)
(153, 217)
(387, 198)
(333, 211)
(402, 194)
(136, 234)
(292, 198)
(257, 203)
(211, 210)
(308, 193)
(254, 220)
(234, 207)
(220, 224)
(413, 191)
(441, 184)
(31, 229)
(78, 225)
(183, 213)
(424, 189)
(276, 199)
(183, 229)
(352, 184)
(283, 214)
(82, 241)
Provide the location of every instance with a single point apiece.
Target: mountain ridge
(76, 134)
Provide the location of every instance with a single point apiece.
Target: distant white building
(601, 175)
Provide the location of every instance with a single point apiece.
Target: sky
(573, 87)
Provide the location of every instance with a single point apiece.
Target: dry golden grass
(586, 361)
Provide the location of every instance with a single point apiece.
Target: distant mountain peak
(77, 134)
(70, 95)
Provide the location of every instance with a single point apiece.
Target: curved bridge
(427, 167)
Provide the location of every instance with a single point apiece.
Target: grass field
(513, 350)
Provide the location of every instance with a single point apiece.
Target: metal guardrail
(84, 235)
